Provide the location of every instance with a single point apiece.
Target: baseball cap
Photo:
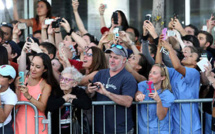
(192, 39)
(14, 47)
(118, 50)
(6, 25)
(7, 70)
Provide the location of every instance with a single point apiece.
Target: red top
(35, 26)
(76, 64)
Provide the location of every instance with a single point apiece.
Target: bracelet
(70, 32)
(29, 98)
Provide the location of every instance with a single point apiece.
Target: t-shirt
(167, 99)
(35, 26)
(185, 87)
(122, 83)
(8, 97)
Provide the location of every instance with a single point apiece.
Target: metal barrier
(104, 104)
(36, 116)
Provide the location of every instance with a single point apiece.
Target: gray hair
(76, 75)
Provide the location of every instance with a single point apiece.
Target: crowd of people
(49, 70)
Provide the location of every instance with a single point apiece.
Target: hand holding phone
(92, 84)
(150, 86)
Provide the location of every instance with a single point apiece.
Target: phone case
(150, 87)
(21, 74)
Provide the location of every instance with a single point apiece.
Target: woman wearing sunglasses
(160, 91)
(70, 92)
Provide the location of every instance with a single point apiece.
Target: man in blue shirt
(118, 85)
(185, 82)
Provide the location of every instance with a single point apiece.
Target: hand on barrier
(140, 97)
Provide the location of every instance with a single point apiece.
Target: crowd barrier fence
(104, 104)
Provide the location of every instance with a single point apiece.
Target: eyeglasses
(119, 47)
(66, 80)
(88, 54)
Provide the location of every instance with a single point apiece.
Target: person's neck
(67, 91)
(3, 89)
(157, 86)
(42, 18)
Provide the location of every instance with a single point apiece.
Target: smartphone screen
(164, 33)
(48, 21)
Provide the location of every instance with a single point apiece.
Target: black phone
(175, 16)
(29, 36)
(115, 17)
(92, 84)
(148, 17)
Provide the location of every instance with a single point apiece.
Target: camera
(56, 24)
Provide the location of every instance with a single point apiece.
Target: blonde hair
(165, 84)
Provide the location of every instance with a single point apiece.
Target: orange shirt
(35, 26)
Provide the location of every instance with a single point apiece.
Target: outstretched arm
(79, 22)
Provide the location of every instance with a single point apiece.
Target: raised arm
(175, 61)
(29, 22)
(101, 12)
(79, 22)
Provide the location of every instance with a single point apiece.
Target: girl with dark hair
(122, 21)
(43, 11)
(36, 89)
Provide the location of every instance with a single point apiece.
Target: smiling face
(190, 58)
(37, 68)
(88, 59)
(155, 75)
(42, 9)
(133, 60)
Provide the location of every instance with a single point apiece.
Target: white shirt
(8, 97)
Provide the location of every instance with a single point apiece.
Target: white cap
(7, 70)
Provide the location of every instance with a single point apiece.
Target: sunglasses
(119, 47)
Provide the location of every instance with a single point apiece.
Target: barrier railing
(104, 104)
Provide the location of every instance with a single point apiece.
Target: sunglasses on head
(119, 47)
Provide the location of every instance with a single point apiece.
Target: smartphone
(150, 86)
(175, 16)
(92, 84)
(22, 26)
(110, 36)
(115, 17)
(48, 21)
(148, 17)
(164, 33)
(21, 75)
(29, 36)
